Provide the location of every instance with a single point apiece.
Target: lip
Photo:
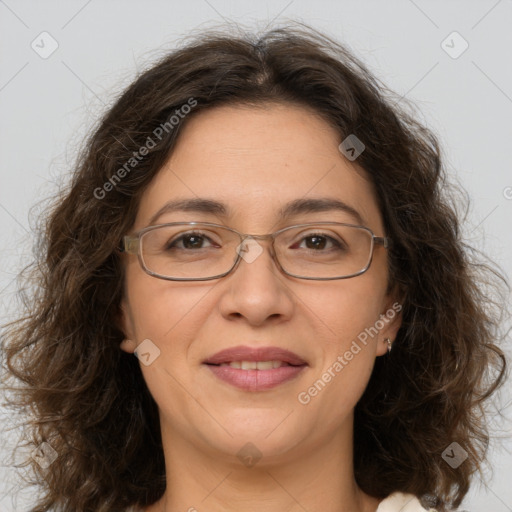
(255, 380)
(245, 353)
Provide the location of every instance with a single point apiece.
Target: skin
(255, 160)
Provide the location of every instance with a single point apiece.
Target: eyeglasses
(200, 251)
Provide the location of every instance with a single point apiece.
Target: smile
(255, 365)
(255, 368)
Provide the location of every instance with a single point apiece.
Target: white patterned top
(399, 502)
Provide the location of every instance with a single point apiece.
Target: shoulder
(400, 502)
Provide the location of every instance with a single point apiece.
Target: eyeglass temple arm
(382, 240)
(130, 244)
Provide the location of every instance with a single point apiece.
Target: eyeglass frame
(130, 244)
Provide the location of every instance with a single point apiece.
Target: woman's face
(255, 162)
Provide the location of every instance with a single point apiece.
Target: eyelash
(171, 244)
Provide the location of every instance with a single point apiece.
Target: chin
(258, 431)
(263, 451)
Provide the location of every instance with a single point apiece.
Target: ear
(128, 346)
(125, 324)
(389, 323)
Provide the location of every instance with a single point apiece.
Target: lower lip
(256, 380)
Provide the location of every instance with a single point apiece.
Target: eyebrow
(291, 209)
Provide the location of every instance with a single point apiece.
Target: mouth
(245, 354)
(256, 369)
(256, 365)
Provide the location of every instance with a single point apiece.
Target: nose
(256, 289)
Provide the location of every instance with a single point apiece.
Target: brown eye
(190, 241)
(316, 242)
(320, 242)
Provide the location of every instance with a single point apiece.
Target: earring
(389, 342)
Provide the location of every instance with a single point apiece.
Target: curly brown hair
(88, 399)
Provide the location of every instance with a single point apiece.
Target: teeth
(254, 365)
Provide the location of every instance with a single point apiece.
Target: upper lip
(245, 353)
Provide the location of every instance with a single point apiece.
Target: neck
(317, 477)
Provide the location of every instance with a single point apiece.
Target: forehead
(255, 161)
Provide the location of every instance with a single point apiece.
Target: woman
(257, 224)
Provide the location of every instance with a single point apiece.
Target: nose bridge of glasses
(270, 237)
(250, 247)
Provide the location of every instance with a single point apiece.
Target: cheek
(347, 309)
(159, 307)
(346, 324)
(348, 357)
(166, 314)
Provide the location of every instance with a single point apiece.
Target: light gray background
(47, 106)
